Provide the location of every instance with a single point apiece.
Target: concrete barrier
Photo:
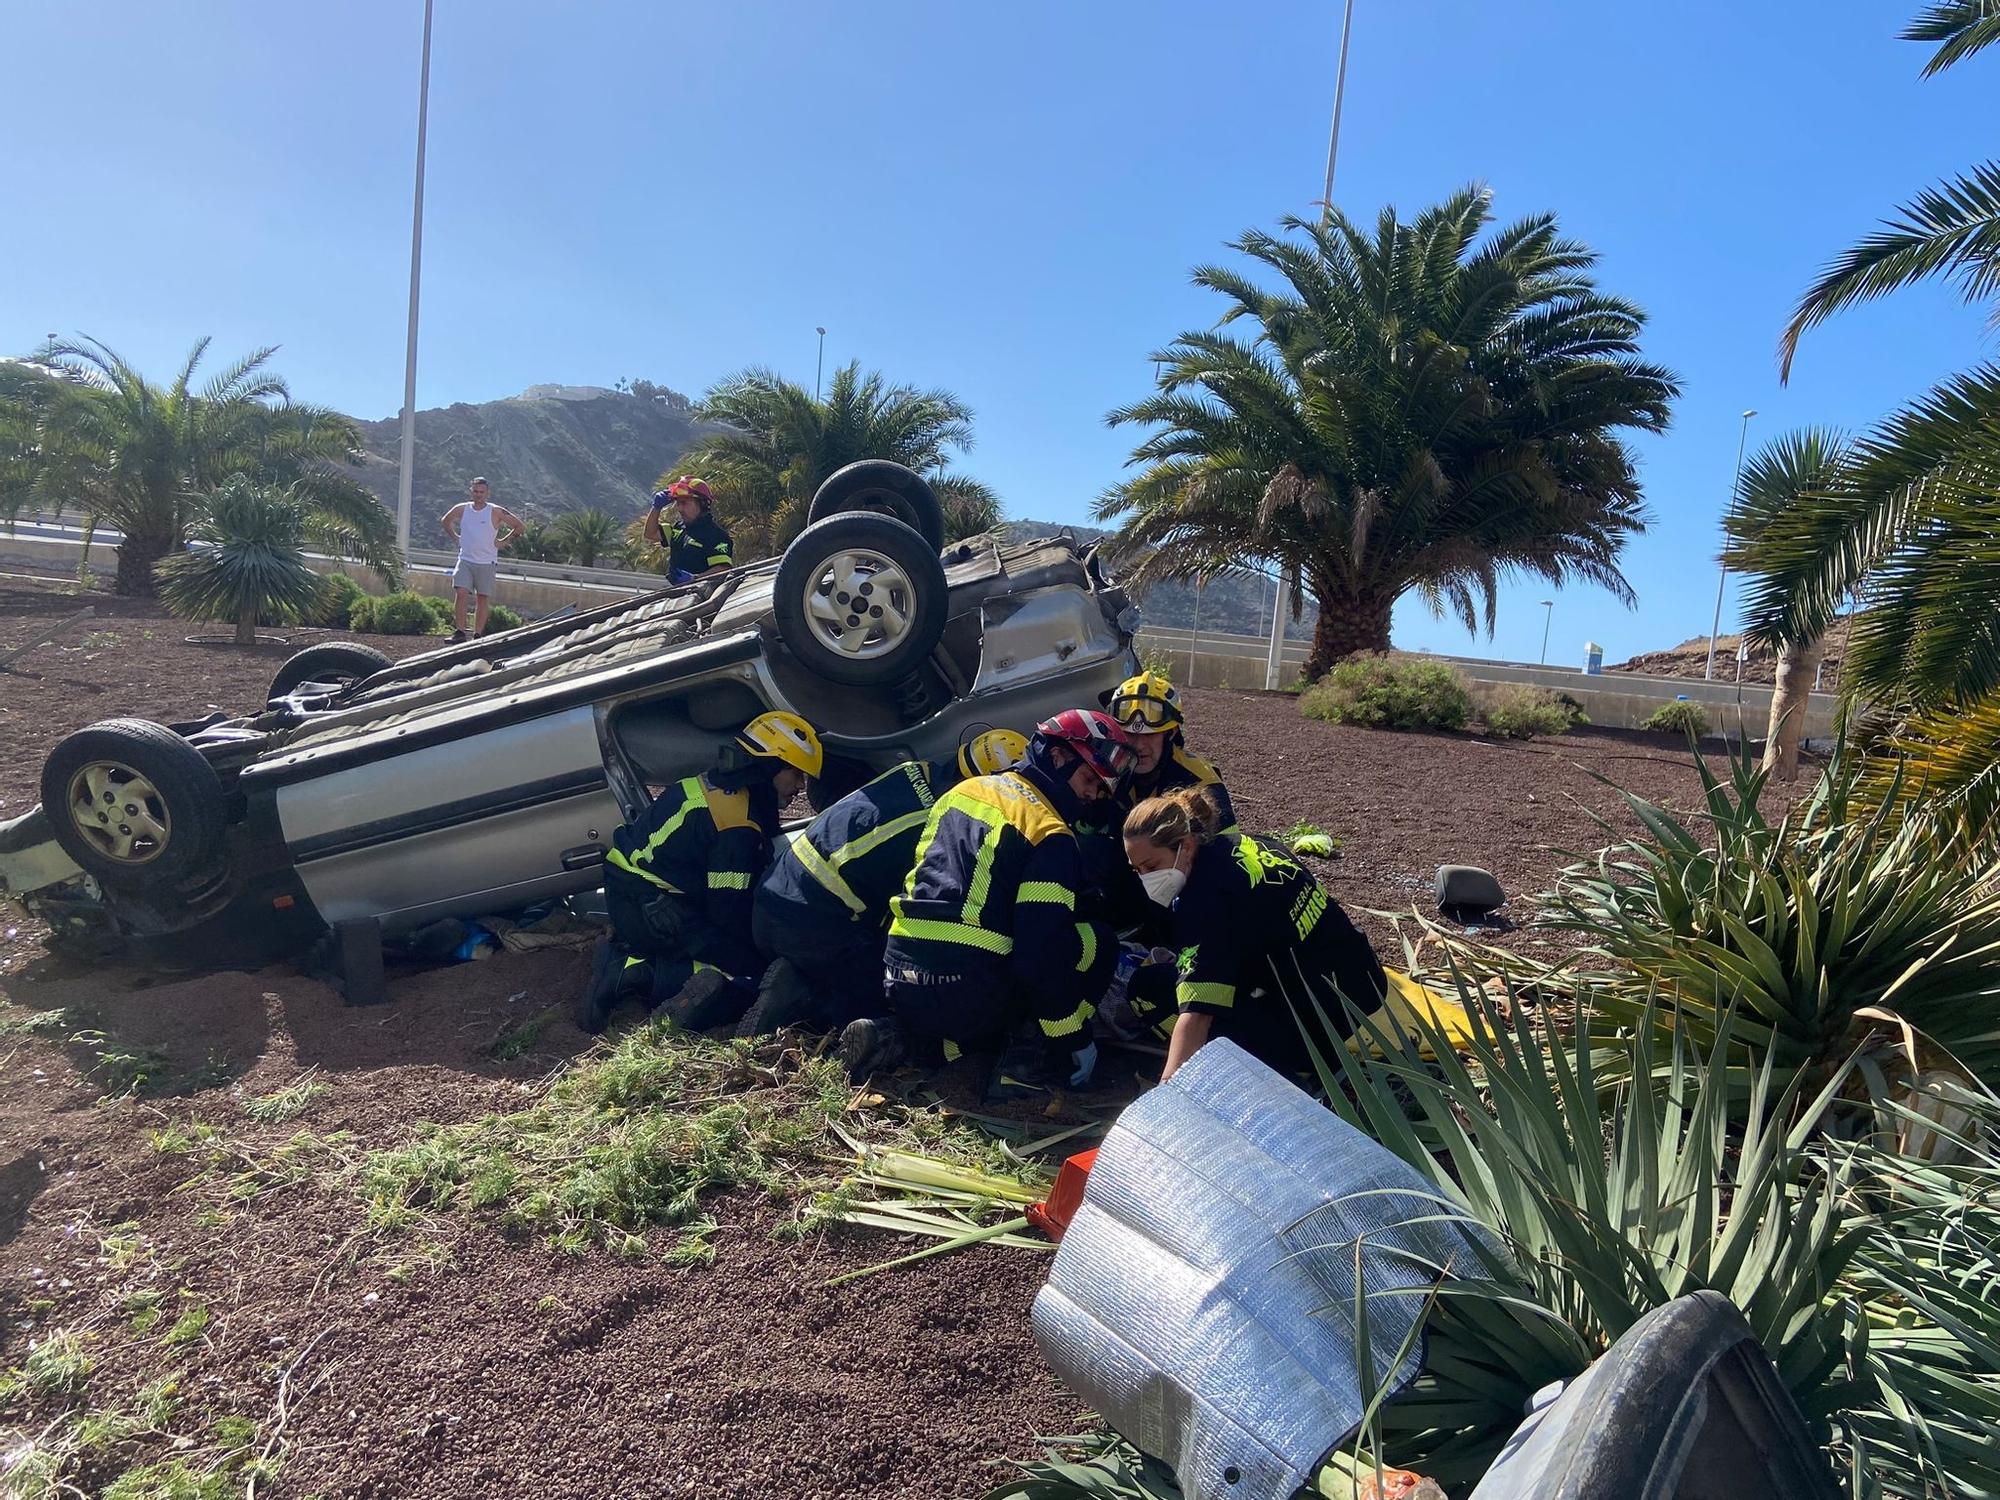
(1617, 700)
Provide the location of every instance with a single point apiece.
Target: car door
(464, 815)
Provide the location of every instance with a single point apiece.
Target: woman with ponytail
(1259, 939)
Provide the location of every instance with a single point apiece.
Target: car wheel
(331, 661)
(860, 600)
(885, 488)
(133, 803)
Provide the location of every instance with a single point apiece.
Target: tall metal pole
(1194, 635)
(408, 472)
(1715, 625)
(820, 367)
(1548, 619)
(1274, 656)
(1339, 96)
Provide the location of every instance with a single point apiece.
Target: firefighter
(679, 879)
(695, 541)
(986, 934)
(822, 908)
(1259, 941)
(1149, 710)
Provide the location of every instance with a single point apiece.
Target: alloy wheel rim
(860, 604)
(119, 812)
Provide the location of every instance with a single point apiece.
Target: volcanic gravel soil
(469, 1364)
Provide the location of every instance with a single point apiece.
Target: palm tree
(1773, 513)
(139, 457)
(583, 536)
(1912, 530)
(786, 442)
(1416, 410)
(536, 542)
(246, 559)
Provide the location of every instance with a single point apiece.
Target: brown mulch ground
(500, 1368)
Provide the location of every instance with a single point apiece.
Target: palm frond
(1959, 27)
(1951, 230)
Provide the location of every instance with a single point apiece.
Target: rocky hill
(551, 450)
(1690, 658)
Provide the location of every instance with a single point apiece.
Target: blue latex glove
(680, 575)
(1085, 1059)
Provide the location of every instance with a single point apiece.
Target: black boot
(869, 1046)
(709, 998)
(785, 998)
(600, 998)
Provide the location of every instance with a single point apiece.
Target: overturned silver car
(488, 776)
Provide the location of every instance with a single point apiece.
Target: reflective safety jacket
(1257, 938)
(994, 885)
(698, 545)
(1179, 767)
(856, 855)
(706, 847)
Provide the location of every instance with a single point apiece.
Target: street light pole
(1715, 625)
(1548, 619)
(407, 475)
(1274, 654)
(819, 368)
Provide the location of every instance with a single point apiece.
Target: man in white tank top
(477, 526)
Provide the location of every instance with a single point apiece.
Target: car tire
(884, 488)
(133, 803)
(330, 661)
(850, 638)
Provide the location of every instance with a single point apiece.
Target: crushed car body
(488, 776)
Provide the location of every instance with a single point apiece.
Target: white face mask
(1162, 886)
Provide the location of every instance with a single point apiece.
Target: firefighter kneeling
(986, 936)
(679, 878)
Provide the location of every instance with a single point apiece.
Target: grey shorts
(474, 578)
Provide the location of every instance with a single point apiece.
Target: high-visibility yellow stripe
(1190, 993)
(692, 797)
(924, 928)
(952, 1051)
(729, 880)
(817, 867)
(619, 858)
(1086, 936)
(981, 884)
(635, 960)
(878, 835)
(1046, 890)
(1070, 1024)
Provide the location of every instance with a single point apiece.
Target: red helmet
(1097, 739)
(688, 486)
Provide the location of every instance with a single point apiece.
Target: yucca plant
(246, 562)
(1865, 1274)
(1827, 933)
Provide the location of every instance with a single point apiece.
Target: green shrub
(500, 617)
(440, 608)
(1515, 711)
(1388, 692)
(1679, 717)
(393, 614)
(335, 609)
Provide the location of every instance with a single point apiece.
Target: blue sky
(1005, 200)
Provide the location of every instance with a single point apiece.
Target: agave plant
(1867, 1276)
(1829, 931)
(1860, 1270)
(245, 561)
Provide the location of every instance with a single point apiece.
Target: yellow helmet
(779, 735)
(991, 753)
(1145, 704)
